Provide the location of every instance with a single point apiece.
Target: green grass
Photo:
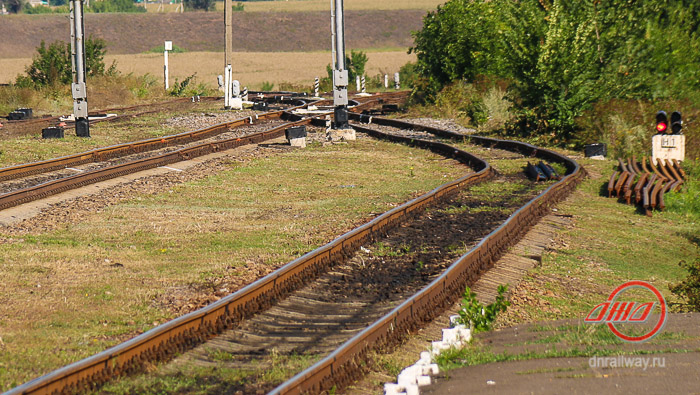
(97, 282)
(610, 243)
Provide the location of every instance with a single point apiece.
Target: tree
(198, 5)
(52, 64)
(13, 6)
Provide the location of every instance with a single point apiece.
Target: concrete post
(78, 87)
(397, 82)
(340, 74)
(357, 83)
(386, 81)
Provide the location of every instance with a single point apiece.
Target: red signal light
(661, 127)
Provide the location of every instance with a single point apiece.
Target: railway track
(34, 181)
(321, 302)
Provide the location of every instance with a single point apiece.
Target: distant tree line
(560, 57)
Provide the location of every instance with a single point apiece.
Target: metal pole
(78, 87)
(228, 37)
(340, 74)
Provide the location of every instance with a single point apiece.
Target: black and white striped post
(364, 87)
(317, 85)
(244, 95)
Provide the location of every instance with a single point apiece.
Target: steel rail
(101, 154)
(184, 332)
(343, 365)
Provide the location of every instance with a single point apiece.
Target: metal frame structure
(78, 87)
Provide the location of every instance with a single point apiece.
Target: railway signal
(676, 122)
(661, 122)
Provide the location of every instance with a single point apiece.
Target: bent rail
(344, 364)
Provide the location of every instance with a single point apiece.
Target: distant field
(316, 5)
(251, 68)
(204, 31)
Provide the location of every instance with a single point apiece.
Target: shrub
(476, 316)
(688, 289)
(614, 50)
(52, 64)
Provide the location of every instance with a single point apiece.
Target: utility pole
(340, 75)
(78, 88)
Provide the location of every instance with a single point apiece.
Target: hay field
(251, 68)
(316, 5)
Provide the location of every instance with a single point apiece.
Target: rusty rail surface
(648, 183)
(342, 366)
(163, 342)
(102, 154)
(115, 151)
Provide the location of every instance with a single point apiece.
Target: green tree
(560, 57)
(52, 64)
(199, 5)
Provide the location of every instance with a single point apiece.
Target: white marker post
(397, 81)
(228, 53)
(168, 47)
(357, 83)
(386, 81)
(317, 85)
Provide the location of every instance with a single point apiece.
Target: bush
(687, 201)
(52, 64)
(614, 50)
(114, 6)
(688, 289)
(480, 318)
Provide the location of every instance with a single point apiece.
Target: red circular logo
(662, 317)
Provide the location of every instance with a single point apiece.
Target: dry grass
(94, 283)
(320, 5)
(251, 68)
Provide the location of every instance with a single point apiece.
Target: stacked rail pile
(648, 182)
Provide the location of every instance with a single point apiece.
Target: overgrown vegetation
(689, 289)
(561, 61)
(52, 64)
(476, 316)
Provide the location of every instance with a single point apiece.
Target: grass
(108, 278)
(607, 246)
